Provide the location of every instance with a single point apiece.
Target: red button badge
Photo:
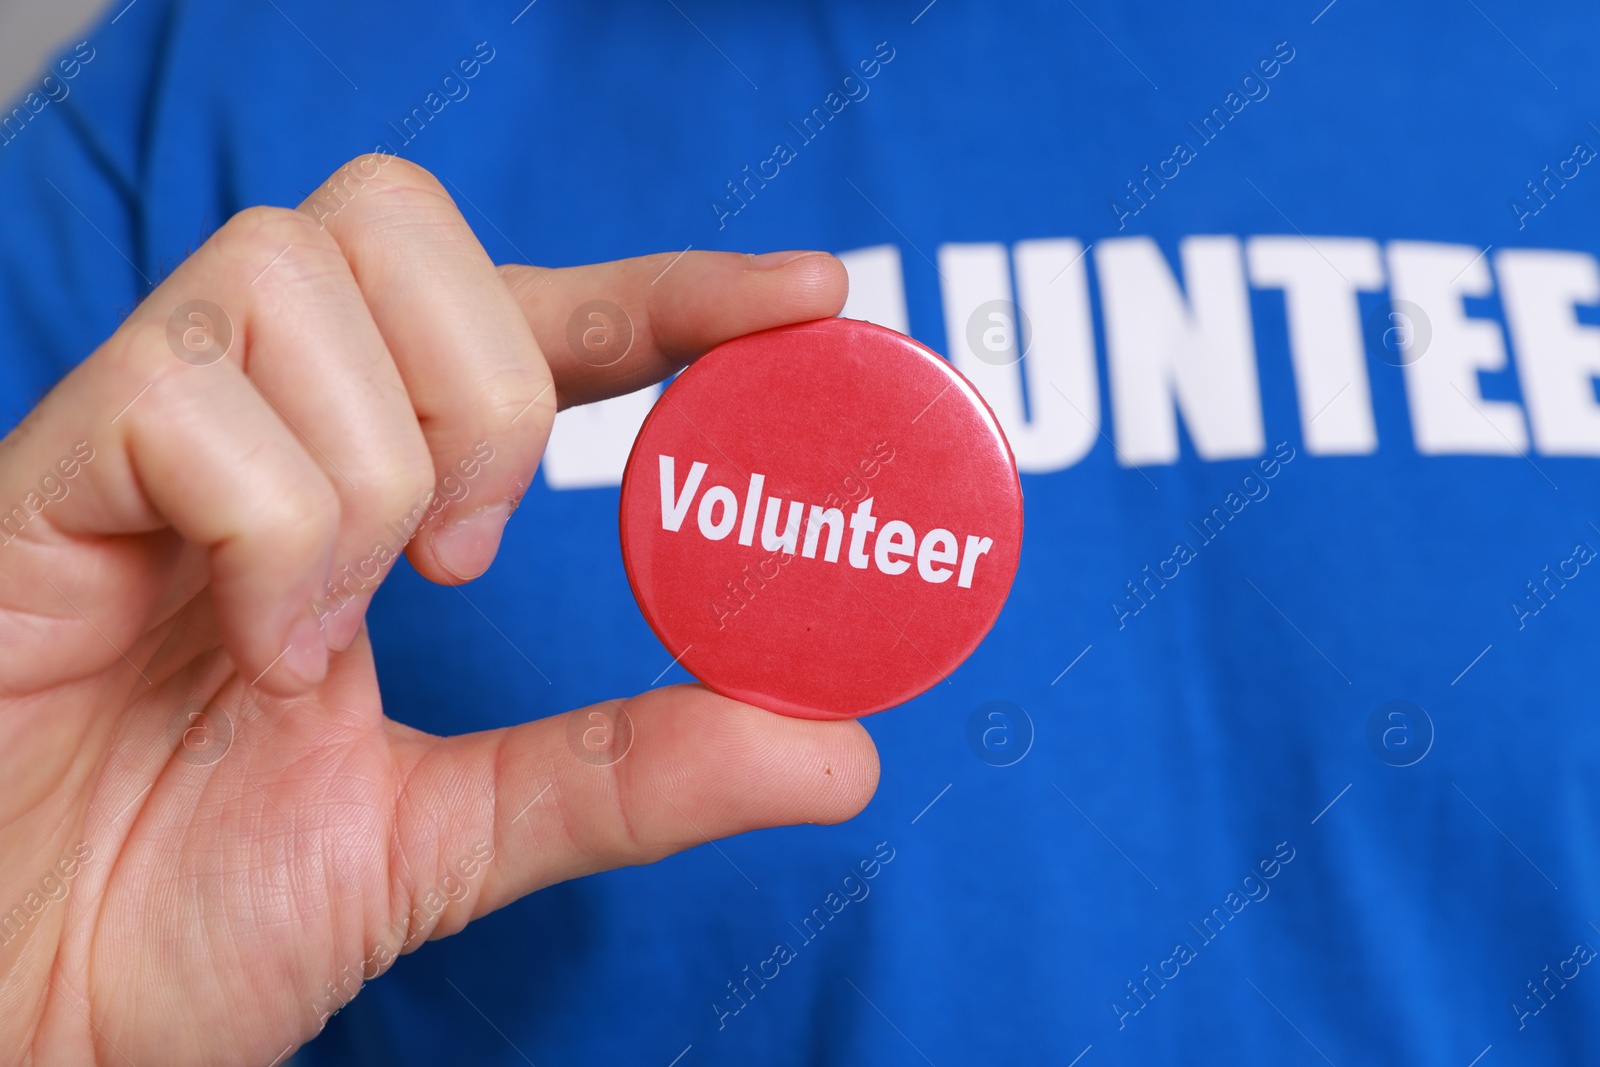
(822, 519)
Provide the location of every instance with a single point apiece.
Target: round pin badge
(822, 520)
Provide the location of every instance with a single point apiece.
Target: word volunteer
(937, 555)
(1181, 334)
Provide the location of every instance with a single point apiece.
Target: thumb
(621, 783)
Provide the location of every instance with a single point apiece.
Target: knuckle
(403, 172)
(418, 478)
(368, 165)
(302, 519)
(401, 487)
(140, 358)
(373, 188)
(275, 249)
(409, 485)
(514, 395)
(343, 186)
(262, 228)
(138, 347)
(404, 190)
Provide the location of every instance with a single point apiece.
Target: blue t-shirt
(1284, 748)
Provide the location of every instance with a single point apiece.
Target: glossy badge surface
(822, 519)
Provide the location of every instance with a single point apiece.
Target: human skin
(222, 898)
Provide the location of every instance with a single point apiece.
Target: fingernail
(307, 654)
(465, 547)
(773, 260)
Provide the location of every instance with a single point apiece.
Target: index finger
(611, 328)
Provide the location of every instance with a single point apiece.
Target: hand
(168, 530)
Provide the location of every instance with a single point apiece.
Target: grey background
(32, 29)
